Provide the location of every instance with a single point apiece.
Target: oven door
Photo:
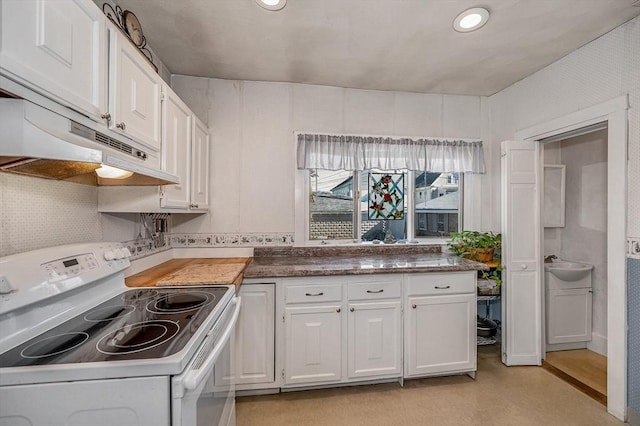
(204, 394)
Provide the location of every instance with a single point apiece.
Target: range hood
(35, 141)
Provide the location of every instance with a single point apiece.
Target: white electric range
(78, 347)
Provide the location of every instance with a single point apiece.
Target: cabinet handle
(121, 126)
(106, 116)
(193, 206)
(316, 294)
(338, 310)
(375, 291)
(442, 287)
(414, 306)
(352, 309)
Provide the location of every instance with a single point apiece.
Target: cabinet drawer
(374, 290)
(313, 293)
(441, 283)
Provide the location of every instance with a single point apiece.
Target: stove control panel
(65, 268)
(31, 278)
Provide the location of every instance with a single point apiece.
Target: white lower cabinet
(342, 329)
(569, 315)
(346, 329)
(255, 337)
(440, 334)
(313, 340)
(440, 324)
(375, 341)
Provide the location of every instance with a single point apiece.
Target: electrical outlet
(634, 247)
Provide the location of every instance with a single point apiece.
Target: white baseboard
(598, 344)
(566, 346)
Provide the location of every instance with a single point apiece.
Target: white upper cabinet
(56, 48)
(200, 166)
(176, 137)
(134, 92)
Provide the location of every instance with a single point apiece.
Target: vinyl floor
(498, 396)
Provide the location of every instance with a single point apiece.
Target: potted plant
(489, 282)
(475, 245)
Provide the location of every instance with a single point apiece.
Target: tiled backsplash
(37, 213)
(231, 240)
(144, 247)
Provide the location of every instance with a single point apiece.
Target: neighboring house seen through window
(339, 201)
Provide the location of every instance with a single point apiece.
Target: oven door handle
(193, 378)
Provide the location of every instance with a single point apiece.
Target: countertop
(317, 262)
(151, 276)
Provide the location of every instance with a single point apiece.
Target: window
(437, 204)
(331, 205)
(339, 206)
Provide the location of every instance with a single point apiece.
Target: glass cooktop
(137, 324)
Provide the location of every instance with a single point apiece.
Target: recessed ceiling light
(471, 20)
(272, 4)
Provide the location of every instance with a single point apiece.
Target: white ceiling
(400, 45)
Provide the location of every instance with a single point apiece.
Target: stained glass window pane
(382, 205)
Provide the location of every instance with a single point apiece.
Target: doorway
(615, 114)
(574, 218)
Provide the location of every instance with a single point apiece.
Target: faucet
(550, 258)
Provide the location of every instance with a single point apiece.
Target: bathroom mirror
(554, 188)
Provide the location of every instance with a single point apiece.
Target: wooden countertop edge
(149, 277)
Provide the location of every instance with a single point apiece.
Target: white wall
(599, 71)
(253, 125)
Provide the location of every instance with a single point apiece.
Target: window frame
(302, 210)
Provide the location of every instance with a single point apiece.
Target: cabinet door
(569, 315)
(375, 344)
(134, 92)
(313, 344)
(57, 48)
(200, 167)
(255, 335)
(176, 136)
(440, 334)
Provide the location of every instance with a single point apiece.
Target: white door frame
(615, 113)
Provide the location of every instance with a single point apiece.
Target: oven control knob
(109, 255)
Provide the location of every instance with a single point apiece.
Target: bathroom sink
(567, 270)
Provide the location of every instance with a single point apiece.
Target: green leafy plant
(475, 245)
(494, 275)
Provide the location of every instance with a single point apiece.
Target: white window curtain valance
(342, 152)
